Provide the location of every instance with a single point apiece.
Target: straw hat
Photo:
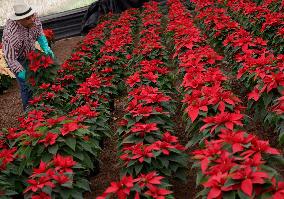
(21, 10)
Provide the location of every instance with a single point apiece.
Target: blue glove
(22, 74)
(44, 45)
(50, 53)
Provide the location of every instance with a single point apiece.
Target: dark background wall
(69, 23)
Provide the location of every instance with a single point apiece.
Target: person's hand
(44, 46)
(50, 53)
(22, 74)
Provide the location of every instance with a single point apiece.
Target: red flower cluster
(39, 61)
(259, 67)
(49, 34)
(150, 39)
(148, 185)
(6, 156)
(236, 156)
(58, 171)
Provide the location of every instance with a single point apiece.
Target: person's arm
(11, 47)
(38, 27)
(41, 39)
(44, 45)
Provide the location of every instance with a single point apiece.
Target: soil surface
(10, 107)
(109, 165)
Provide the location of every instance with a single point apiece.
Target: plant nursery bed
(183, 100)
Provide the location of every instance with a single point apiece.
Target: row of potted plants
(259, 70)
(232, 162)
(261, 19)
(146, 144)
(54, 149)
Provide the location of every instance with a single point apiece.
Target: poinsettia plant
(236, 165)
(50, 36)
(42, 68)
(56, 178)
(149, 185)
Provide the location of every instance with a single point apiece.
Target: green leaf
(53, 149)
(82, 131)
(10, 193)
(65, 194)
(27, 152)
(281, 138)
(42, 129)
(267, 98)
(131, 163)
(87, 146)
(46, 157)
(149, 139)
(88, 162)
(200, 178)
(271, 171)
(138, 168)
(21, 167)
(131, 139)
(230, 182)
(242, 195)
(79, 155)
(266, 196)
(84, 184)
(40, 149)
(71, 142)
(165, 162)
(229, 195)
(77, 195)
(204, 192)
(148, 160)
(197, 138)
(181, 174)
(47, 190)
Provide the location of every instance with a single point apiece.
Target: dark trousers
(26, 92)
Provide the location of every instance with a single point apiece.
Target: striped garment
(18, 41)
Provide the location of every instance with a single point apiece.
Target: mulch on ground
(11, 107)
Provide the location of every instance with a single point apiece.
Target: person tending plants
(22, 30)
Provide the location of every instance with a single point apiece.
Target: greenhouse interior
(142, 99)
(45, 7)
